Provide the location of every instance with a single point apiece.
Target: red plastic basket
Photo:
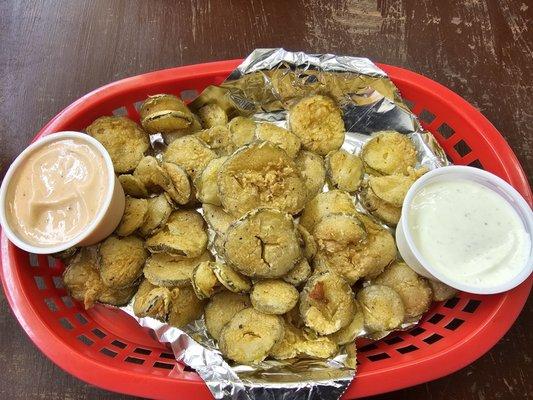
(107, 348)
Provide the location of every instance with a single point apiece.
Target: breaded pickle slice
(382, 306)
(132, 185)
(179, 188)
(296, 343)
(183, 235)
(121, 261)
(150, 173)
(151, 301)
(317, 121)
(391, 188)
(332, 202)
(307, 242)
(250, 335)
(218, 139)
(217, 219)
(352, 330)
(159, 210)
(389, 152)
(260, 175)
(242, 131)
(190, 153)
(123, 139)
(231, 279)
(206, 182)
(81, 277)
(212, 115)
(441, 291)
(273, 296)
(135, 213)
(185, 307)
(414, 290)
(380, 209)
(116, 297)
(221, 309)
(281, 137)
(299, 274)
(165, 113)
(263, 244)
(327, 303)
(204, 281)
(334, 232)
(162, 269)
(344, 170)
(313, 171)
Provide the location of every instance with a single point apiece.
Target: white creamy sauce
(468, 232)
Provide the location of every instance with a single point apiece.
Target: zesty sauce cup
(102, 225)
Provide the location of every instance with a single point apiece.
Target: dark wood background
(52, 52)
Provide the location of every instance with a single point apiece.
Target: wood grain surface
(53, 52)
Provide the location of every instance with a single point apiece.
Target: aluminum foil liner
(263, 87)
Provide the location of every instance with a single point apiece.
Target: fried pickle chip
(273, 296)
(307, 242)
(212, 115)
(296, 343)
(414, 290)
(151, 301)
(132, 185)
(116, 297)
(332, 202)
(185, 307)
(190, 153)
(159, 210)
(165, 113)
(391, 188)
(380, 209)
(250, 335)
(81, 277)
(281, 137)
(334, 232)
(135, 213)
(179, 188)
(123, 139)
(317, 121)
(263, 244)
(67, 254)
(299, 274)
(204, 281)
(367, 259)
(217, 219)
(312, 168)
(352, 330)
(183, 235)
(344, 170)
(162, 269)
(221, 309)
(151, 175)
(382, 306)
(206, 182)
(121, 261)
(194, 127)
(327, 303)
(232, 280)
(218, 139)
(242, 131)
(441, 291)
(389, 152)
(260, 175)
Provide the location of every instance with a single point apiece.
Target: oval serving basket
(107, 348)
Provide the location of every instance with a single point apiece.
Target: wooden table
(52, 52)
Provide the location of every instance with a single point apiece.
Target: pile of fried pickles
(299, 271)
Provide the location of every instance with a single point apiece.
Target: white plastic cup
(417, 262)
(107, 218)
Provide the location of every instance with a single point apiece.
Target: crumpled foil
(263, 87)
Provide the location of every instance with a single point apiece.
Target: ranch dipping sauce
(56, 192)
(468, 232)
